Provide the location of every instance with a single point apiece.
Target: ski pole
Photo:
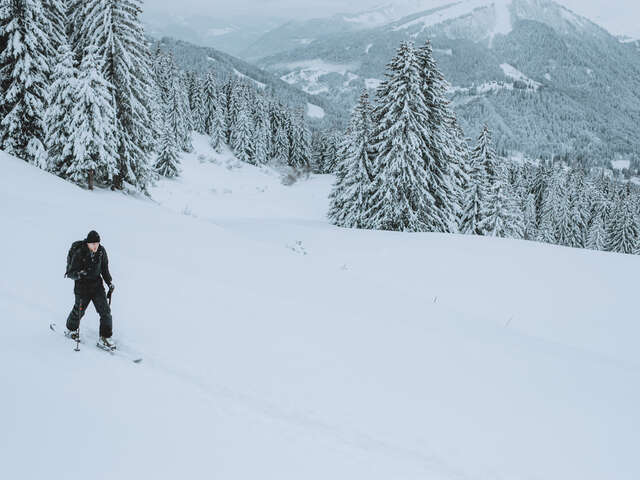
(111, 288)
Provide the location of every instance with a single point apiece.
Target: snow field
(278, 346)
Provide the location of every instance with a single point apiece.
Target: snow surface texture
(502, 15)
(525, 83)
(314, 111)
(244, 77)
(396, 10)
(278, 346)
(512, 72)
(307, 74)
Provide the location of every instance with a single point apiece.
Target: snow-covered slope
(277, 346)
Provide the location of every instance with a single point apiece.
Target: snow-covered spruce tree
(318, 146)
(212, 111)
(168, 162)
(172, 95)
(554, 199)
(502, 218)
(92, 126)
(482, 184)
(562, 221)
(24, 72)
(234, 97)
(530, 231)
(623, 231)
(242, 134)
(500, 215)
(459, 162)
(159, 89)
(61, 103)
(262, 132)
(55, 13)
(597, 235)
(475, 205)
(176, 114)
(331, 153)
(578, 206)
(349, 199)
(280, 132)
(445, 143)
(115, 29)
(401, 196)
(299, 148)
(539, 188)
(196, 101)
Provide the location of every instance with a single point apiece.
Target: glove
(77, 275)
(112, 287)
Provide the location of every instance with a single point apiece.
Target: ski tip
(52, 326)
(137, 360)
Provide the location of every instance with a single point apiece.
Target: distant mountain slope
(229, 34)
(320, 111)
(548, 81)
(302, 32)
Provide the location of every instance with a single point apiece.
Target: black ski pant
(99, 298)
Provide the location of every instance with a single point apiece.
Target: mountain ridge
(576, 88)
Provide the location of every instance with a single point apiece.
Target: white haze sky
(618, 16)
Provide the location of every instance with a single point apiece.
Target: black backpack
(75, 248)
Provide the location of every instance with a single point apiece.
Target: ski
(118, 353)
(135, 359)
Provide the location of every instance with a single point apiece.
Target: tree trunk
(91, 173)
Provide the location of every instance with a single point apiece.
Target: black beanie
(93, 237)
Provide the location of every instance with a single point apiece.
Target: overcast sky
(618, 16)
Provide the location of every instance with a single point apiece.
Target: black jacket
(95, 267)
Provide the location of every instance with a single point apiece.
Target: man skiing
(88, 265)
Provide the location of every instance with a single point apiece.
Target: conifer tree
(196, 100)
(349, 199)
(212, 112)
(114, 28)
(445, 143)
(503, 218)
(241, 135)
(401, 198)
(24, 72)
(330, 157)
(475, 205)
(299, 156)
(280, 144)
(578, 210)
(483, 182)
(167, 164)
(92, 126)
(530, 231)
(597, 236)
(262, 129)
(623, 232)
(55, 13)
(318, 151)
(61, 104)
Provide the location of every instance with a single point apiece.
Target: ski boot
(106, 344)
(72, 334)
